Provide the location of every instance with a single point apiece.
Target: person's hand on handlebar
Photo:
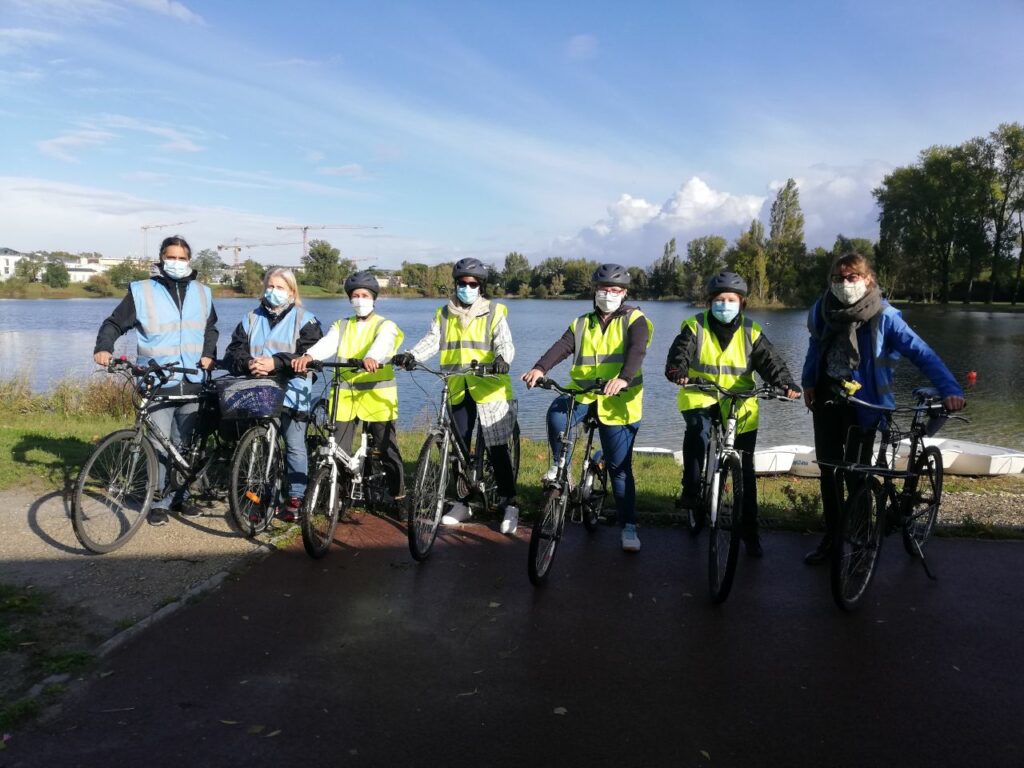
(261, 366)
(532, 376)
(404, 360)
(370, 365)
(953, 403)
(499, 366)
(614, 386)
(206, 363)
(792, 394)
(809, 398)
(102, 358)
(301, 363)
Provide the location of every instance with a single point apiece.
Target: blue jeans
(616, 442)
(295, 458)
(695, 447)
(177, 421)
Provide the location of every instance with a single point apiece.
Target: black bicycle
(117, 484)
(880, 504)
(583, 502)
(445, 460)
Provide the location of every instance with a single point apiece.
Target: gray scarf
(839, 340)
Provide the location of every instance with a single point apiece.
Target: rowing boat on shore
(962, 457)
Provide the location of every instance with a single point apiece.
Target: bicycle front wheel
(428, 496)
(925, 501)
(545, 536)
(255, 480)
(114, 491)
(858, 541)
(724, 530)
(319, 514)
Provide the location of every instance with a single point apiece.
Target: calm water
(52, 339)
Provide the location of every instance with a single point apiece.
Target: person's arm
(557, 352)
(236, 356)
(677, 364)
(121, 320)
(905, 340)
(327, 346)
(309, 334)
(636, 349)
(428, 346)
(809, 374)
(383, 344)
(211, 335)
(503, 346)
(770, 366)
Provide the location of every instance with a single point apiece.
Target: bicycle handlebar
(934, 407)
(545, 383)
(474, 368)
(765, 392)
(153, 368)
(352, 362)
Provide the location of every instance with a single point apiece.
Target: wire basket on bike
(243, 398)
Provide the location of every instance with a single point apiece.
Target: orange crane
(145, 232)
(237, 248)
(305, 232)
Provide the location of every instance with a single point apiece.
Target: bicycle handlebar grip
(544, 383)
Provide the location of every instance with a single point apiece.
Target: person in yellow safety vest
(369, 396)
(610, 344)
(175, 322)
(724, 346)
(264, 344)
(471, 327)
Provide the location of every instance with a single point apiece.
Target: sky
(593, 129)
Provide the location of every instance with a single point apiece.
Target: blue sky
(470, 128)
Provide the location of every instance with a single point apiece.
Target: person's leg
(617, 444)
(464, 419)
(558, 412)
(745, 444)
(695, 448)
(296, 460)
(162, 416)
(345, 434)
(834, 427)
(386, 438)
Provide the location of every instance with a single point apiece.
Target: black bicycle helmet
(362, 280)
(727, 282)
(469, 267)
(612, 274)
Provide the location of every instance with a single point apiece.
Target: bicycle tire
(320, 517)
(254, 484)
(427, 499)
(214, 477)
(123, 468)
(724, 528)
(592, 493)
(545, 536)
(924, 501)
(490, 484)
(857, 544)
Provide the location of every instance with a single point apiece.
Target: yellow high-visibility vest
(360, 394)
(460, 346)
(600, 354)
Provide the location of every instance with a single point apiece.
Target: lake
(52, 339)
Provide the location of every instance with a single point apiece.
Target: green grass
(18, 713)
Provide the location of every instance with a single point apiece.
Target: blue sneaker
(630, 541)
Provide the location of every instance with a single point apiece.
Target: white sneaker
(630, 541)
(551, 474)
(459, 512)
(511, 521)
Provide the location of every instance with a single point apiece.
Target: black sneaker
(157, 517)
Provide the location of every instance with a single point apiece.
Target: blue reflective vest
(167, 334)
(266, 341)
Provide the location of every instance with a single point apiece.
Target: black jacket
(237, 357)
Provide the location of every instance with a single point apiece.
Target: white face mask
(363, 307)
(850, 293)
(608, 302)
(176, 269)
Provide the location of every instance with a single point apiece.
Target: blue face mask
(275, 297)
(176, 270)
(725, 311)
(466, 294)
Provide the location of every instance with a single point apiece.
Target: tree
(324, 266)
(557, 286)
(1003, 154)
(516, 272)
(749, 258)
(666, 273)
(543, 272)
(704, 257)
(786, 247)
(207, 264)
(56, 275)
(638, 287)
(100, 285)
(120, 275)
(414, 275)
(28, 267)
(249, 279)
(578, 276)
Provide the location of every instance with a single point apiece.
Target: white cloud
(169, 8)
(176, 139)
(635, 230)
(63, 146)
(17, 39)
(353, 170)
(581, 47)
(101, 130)
(65, 11)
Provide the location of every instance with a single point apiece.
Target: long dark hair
(175, 240)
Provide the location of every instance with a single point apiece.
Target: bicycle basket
(242, 398)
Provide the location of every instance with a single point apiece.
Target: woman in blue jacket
(857, 336)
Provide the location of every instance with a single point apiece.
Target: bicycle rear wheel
(428, 496)
(724, 528)
(319, 515)
(545, 536)
(255, 481)
(925, 501)
(592, 493)
(114, 491)
(858, 541)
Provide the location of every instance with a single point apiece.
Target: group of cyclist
(855, 336)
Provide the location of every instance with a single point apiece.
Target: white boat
(792, 459)
(962, 457)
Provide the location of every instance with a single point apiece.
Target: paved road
(366, 658)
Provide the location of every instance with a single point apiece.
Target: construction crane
(145, 232)
(237, 248)
(305, 232)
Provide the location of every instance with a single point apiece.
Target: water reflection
(52, 339)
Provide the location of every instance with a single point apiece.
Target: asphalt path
(367, 658)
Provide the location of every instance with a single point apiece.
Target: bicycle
(720, 497)
(445, 456)
(877, 507)
(584, 501)
(117, 484)
(339, 479)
